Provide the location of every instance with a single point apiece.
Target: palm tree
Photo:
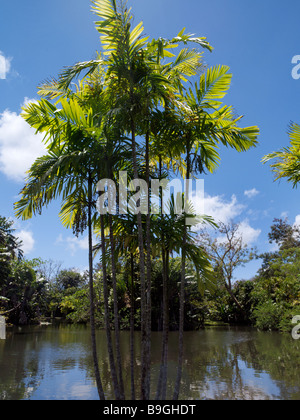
(287, 160)
(68, 171)
(200, 123)
(136, 82)
(125, 231)
(106, 150)
(170, 230)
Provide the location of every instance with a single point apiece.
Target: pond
(55, 363)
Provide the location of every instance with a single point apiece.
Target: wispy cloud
(4, 66)
(251, 193)
(73, 244)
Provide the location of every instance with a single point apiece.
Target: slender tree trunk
(106, 316)
(162, 379)
(182, 292)
(235, 300)
(181, 322)
(91, 289)
(132, 329)
(116, 311)
(166, 328)
(144, 367)
(148, 247)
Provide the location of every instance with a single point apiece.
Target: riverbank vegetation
(37, 291)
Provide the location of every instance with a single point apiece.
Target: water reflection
(50, 362)
(2, 328)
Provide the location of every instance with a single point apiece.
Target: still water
(55, 363)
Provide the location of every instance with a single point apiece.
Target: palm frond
(213, 86)
(287, 161)
(70, 73)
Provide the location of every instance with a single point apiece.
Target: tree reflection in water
(48, 362)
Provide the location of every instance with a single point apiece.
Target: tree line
(34, 291)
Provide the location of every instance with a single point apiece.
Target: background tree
(276, 291)
(227, 250)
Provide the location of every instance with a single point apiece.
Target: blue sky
(256, 39)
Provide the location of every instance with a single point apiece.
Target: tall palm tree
(136, 82)
(287, 161)
(69, 171)
(172, 227)
(199, 124)
(126, 237)
(105, 150)
(44, 185)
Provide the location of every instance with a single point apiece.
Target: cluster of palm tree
(134, 108)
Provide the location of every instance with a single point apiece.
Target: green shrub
(286, 324)
(267, 315)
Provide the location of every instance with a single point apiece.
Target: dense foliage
(35, 291)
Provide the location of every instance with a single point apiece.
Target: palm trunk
(91, 289)
(181, 322)
(166, 328)
(116, 311)
(144, 367)
(162, 379)
(106, 316)
(182, 294)
(132, 329)
(148, 247)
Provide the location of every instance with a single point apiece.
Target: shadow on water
(55, 363)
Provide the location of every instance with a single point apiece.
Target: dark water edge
(54, 362)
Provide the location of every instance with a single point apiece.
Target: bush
(286, 324)
(267, 315)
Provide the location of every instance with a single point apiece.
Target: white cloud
(297, 220)
(251, 193)
(73, 244)
(220, 209)
(248, 233)
(19, 145)
(4, 66)
(27, 239)
(226, 211)
(24, 234)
